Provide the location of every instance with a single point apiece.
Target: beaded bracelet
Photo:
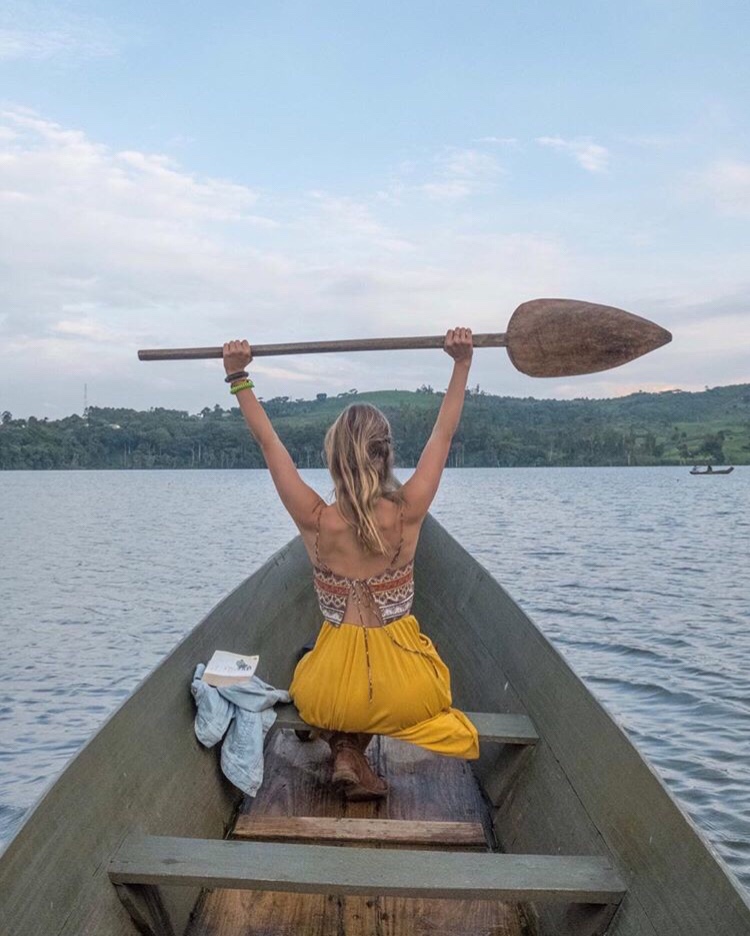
(245, 385)
(235, 376)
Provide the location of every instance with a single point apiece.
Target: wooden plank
(387, 831)
(498, 727)
(295, 780)
(422, 785)
(427, 786)
(504, 728)
(169, 860)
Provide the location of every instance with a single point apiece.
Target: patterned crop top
(390, 593)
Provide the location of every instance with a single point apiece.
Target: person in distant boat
(371, 669)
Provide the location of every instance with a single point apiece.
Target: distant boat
(711, 471)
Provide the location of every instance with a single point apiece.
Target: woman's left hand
(237, 355)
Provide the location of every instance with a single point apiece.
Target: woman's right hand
(237, 355)
(458, 344)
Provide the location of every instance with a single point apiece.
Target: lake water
(640, 576)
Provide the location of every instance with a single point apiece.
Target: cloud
(727, 183)
(589, 155)
(92, 234)
(86, 328)
(450, 190)
(461, 172)
(655, 141)
(354, 218)
(108, 250)
(470, 164)
(39, 32)
(17, 44)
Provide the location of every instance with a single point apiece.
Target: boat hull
(716, 471)
(582, 789)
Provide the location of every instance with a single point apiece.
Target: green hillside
(674, 427)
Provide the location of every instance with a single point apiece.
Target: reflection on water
(639, 576)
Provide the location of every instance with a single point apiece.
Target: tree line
(672, 427)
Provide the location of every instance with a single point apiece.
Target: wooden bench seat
(167, 860)
(492, 726)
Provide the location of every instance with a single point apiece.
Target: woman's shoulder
(311, 521)
(405, 507)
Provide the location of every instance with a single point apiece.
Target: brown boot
(352, 773)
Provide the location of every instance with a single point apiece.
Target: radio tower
(85, 401)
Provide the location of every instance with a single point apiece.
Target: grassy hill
(673, 427)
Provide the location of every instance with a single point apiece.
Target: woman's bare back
(339, 551)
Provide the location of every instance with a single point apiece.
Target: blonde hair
(358, 449)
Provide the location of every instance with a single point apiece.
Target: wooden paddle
(545, 338)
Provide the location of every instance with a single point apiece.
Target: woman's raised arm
(421, 488)
(299, 498)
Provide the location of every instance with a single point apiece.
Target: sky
(180, 175)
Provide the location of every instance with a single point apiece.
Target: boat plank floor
(422, 786)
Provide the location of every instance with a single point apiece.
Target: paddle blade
(565, 337)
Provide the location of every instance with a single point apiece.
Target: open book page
(225, 669)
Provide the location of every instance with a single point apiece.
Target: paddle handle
(496, 340)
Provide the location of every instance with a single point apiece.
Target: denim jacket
(247, 711)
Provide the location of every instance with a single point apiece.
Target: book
(227, 669)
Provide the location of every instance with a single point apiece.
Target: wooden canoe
(560, 827)
(713, 471)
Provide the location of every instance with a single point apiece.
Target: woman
(371, 670)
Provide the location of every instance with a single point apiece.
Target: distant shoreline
(671, 428)
(397, 467)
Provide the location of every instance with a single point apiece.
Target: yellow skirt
(382, 680)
